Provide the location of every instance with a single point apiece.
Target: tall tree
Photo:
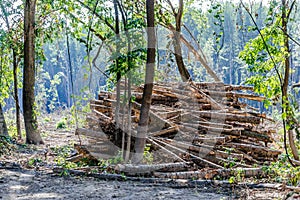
(16, 94)
(3, 92)
(15, 69)
(3, 127)
(287, 68)
(271, 51)
(148, 87)
(117, 32)
(30, 120)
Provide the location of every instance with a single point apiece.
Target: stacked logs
(206, 124)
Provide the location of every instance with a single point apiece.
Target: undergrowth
(6, 145)
(283, 172)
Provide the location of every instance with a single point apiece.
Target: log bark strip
(227, 117)
(258, 135)
(164, 132)
(236, 95)
(139, 169)
(258, 150)
(210, 174)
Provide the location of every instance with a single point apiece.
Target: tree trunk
(128, 149)
(31, 125)
(3, 127)
(147, 93)
(16, 95)
(117, 32)
(285, 83)
(15, 67)
(287, 46)
(293, 145)
(185, 75)
(143, 169)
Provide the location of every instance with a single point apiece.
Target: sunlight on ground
(18, 187)
(41, 196)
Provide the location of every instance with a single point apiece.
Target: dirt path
(34, 185)
(31, 185)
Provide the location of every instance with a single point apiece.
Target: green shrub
(62, 124)
(6, 145)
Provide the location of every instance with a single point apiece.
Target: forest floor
(28, 174)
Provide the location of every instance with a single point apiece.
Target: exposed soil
(20, 179)
(32, 185)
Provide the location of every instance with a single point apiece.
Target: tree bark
(293, 145)
(147, 93)
(143, 169)
(117, 32)
(30, 120)
(285, 83)
(128, 87)
(3, 127)
(15, 67)
(16, 95)
(210, 174)
(287, 46)
(184, 73)
(128, 149)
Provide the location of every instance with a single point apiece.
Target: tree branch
(101, 37)
(99, 16)
(290, 11)
(172, 7)
(264, 41)
(195, 40)
(296, 42)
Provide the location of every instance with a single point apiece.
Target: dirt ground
(20, 181)
(30, 185)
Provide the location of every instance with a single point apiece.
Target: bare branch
(195, 40)
(296, 85)
(290, 10)
(101, 37)
(99, 16)
(172, 7)
(264, 41)
(296, 42)
(179, 16)
(95, 59)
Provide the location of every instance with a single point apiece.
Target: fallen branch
(191, 155)
(141, 169)
(210, 174)
(164, 132)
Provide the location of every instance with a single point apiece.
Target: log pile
(200, 124)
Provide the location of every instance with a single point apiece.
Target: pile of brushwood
(195, 130)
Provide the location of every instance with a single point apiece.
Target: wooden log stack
(206, 124)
